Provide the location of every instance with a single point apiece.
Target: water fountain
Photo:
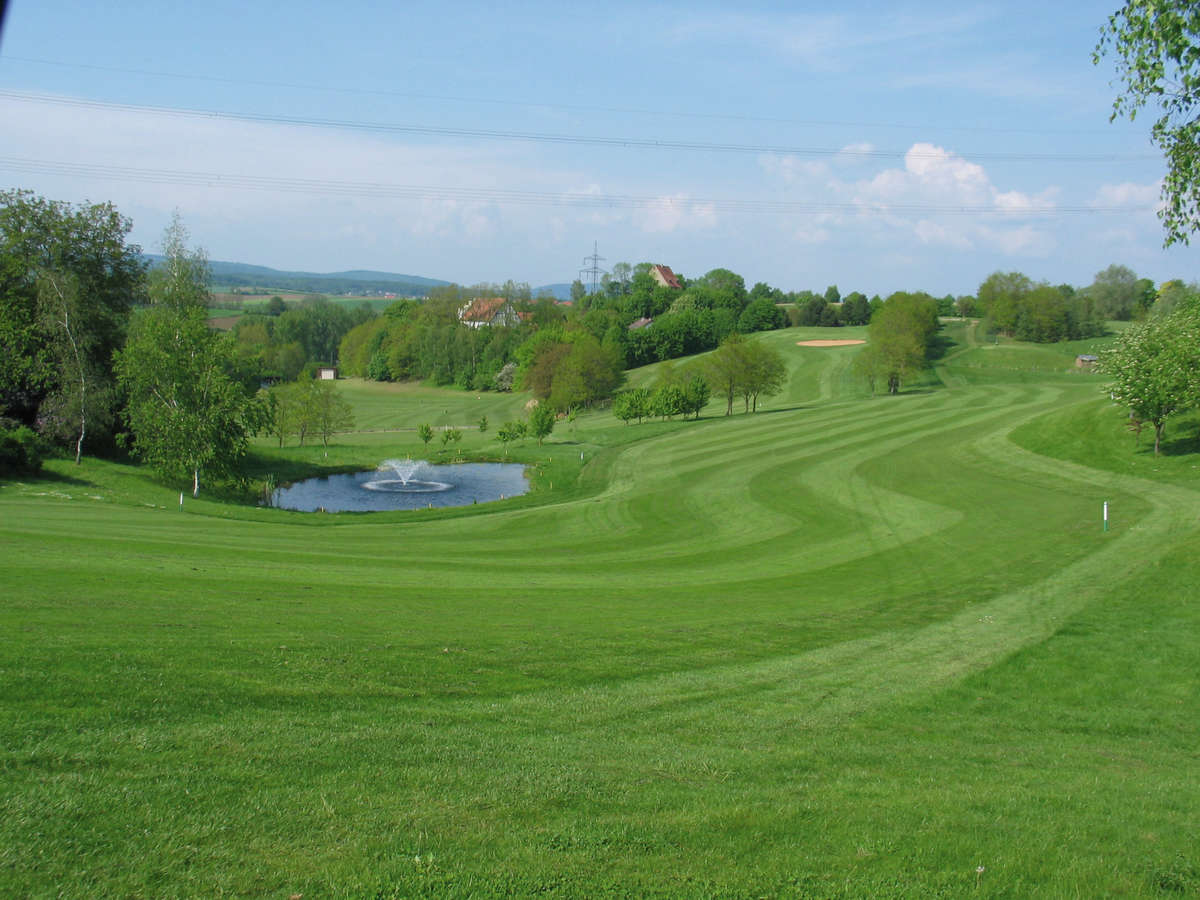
(404, 482)
(398, 484)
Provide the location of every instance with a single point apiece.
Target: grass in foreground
(847, 647)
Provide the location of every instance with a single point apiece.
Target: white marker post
(181, 501)
(1106, 515)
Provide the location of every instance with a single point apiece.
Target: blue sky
(878, 147)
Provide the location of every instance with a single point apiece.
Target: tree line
(102, 350)
(97, 346)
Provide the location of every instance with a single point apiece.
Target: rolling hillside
(848, 646)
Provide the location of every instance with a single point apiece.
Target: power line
(542, 104)
(593, 266)
(622, 142)
(506, 197)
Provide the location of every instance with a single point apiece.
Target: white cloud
(793, 169)
(1018, 203)
(347, 205)
(1023, 241)
(814, 231)
(853, 154)
(937, 233)
(1128, 193)
(444, 219)
(676, 212)
(957, 192)
(931, 175)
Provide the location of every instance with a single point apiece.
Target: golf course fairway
(846, 646)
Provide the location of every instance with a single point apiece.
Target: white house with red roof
(488, 311)
(665, 277)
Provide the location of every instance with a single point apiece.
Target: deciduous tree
(186, 414)
(1157, 48)
(331, 411)
(668, 400)
(898, 341)
(632, 404)
(85, 247)
(1155, 368)
(765, 373)
(83, 393)
(724, 368)
(182, 279)
(1000, 297)
(695, 394)
(509, 432)
(1117, 293)
(451, 436)
(541, 422)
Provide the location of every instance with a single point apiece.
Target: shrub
(21, 451)
(377, 368)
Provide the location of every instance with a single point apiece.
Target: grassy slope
(848, 646)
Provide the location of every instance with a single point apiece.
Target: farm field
(848, 646)
(227, 308)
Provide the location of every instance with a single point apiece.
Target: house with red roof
(488, 311)
(665, 277)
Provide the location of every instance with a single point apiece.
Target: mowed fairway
(847, 646)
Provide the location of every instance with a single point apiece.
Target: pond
(405, 484)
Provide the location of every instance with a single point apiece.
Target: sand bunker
(827, 343)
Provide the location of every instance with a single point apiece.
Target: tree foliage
(1118, 293)
(451, 436)
(1173, 295)
(182, 279)
(310, 407)
(696, 392)
(668, 400)
(84, 249)
(1156, 44)
(21, 450)
(899, 340)
(1155, 368)
(83, 393)
(1013, 304)
(541, 422)
(746, 369)
(187, 415)
(566, 369)
(509, 432)
(632, 404)
(763, 375)
(187, 411)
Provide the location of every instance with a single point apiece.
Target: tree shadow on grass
(939, 347)
(1186, 445)
(45, 476)
(738, 412)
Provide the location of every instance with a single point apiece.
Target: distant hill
(358, 282)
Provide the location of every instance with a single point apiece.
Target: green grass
(850, 646)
